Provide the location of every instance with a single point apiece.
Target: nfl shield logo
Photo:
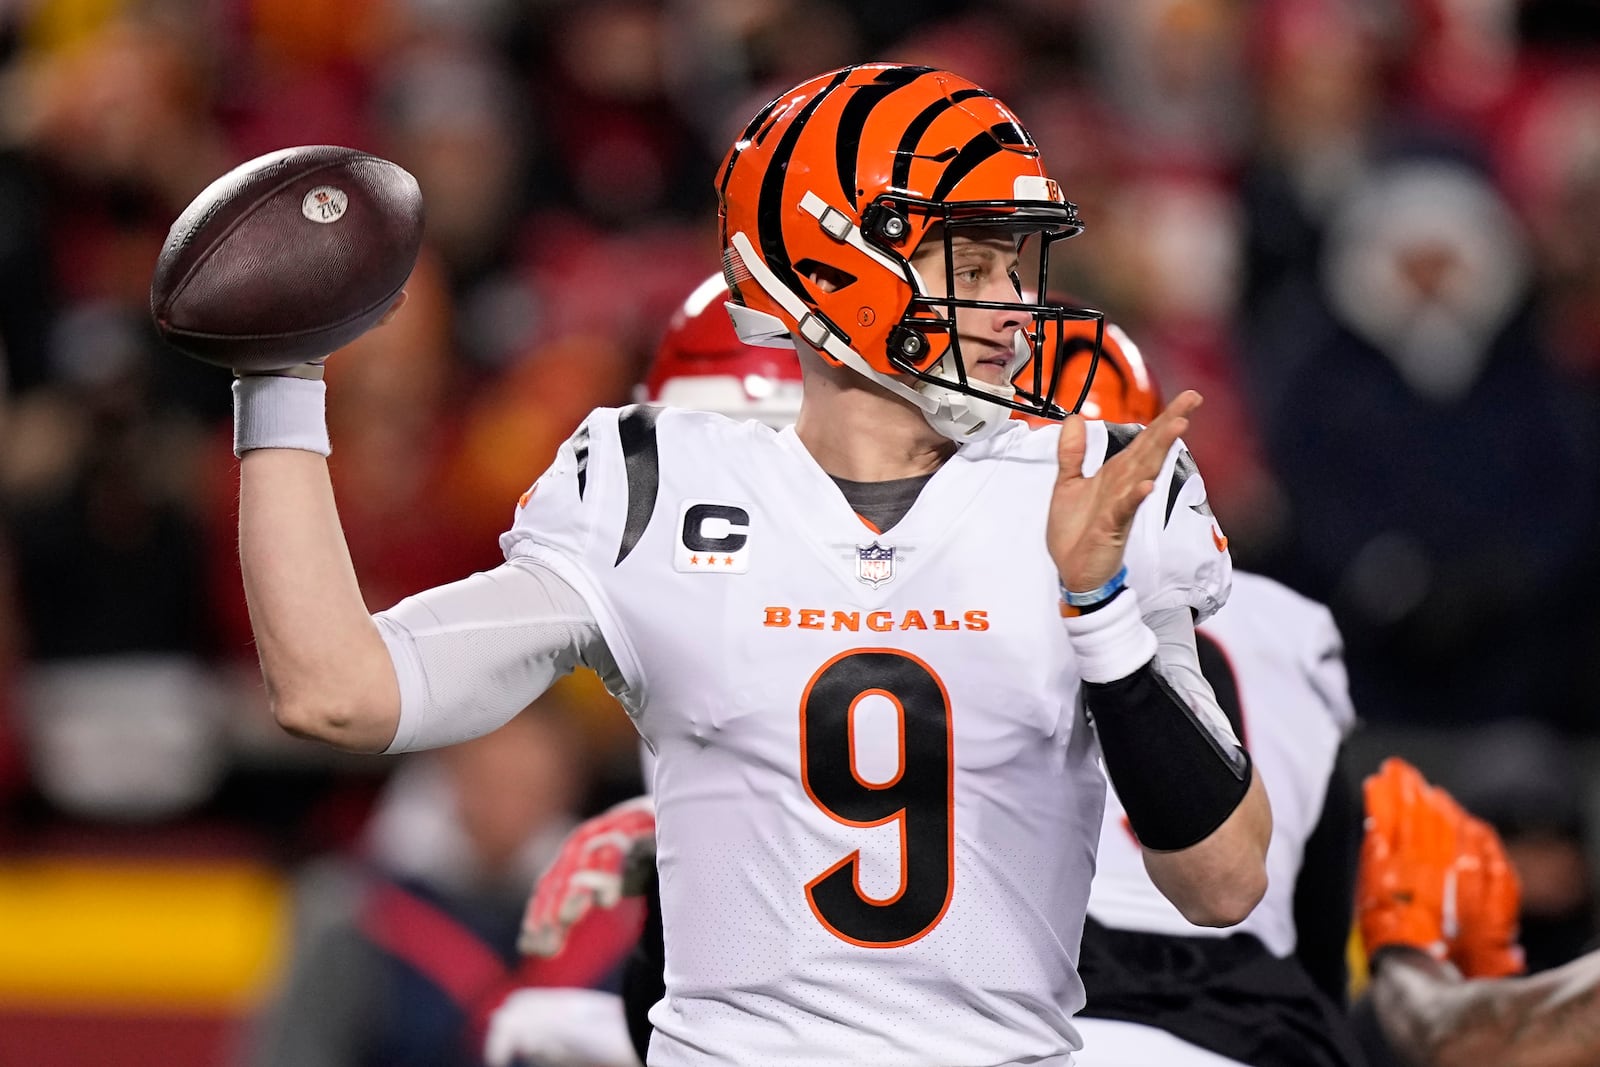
(874, 563)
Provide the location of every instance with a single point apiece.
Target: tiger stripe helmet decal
(840, 180)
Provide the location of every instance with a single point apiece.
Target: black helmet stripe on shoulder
(847, 148)
(744, 138)
(769, 205)
(907, 150)
(636, 432)
(972, 153)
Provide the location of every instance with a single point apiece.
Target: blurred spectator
(1462, 57)
(13, 766)
(1170, 258)
(1319, 67)
(402, 951)
(1441, 480)
(453, 115)
(1549, 162)
(624, 152)
(722, 59)
(112, 136)
(1172, 70)
(121, 715)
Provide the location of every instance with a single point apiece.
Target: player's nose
(1010, 318)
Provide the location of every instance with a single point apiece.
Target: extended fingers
(1171, 424)
(1070, 449)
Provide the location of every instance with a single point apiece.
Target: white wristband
(278, 411)
(1111, 642)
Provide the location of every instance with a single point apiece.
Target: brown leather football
(287, 257)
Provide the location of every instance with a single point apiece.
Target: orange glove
(1434, 878)
(1488, 898)
(1406, 884)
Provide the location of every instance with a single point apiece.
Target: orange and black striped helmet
(1115, 385)
(841, 178)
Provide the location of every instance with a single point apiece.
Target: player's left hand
(1434, 878)
(1406, 887)
(1489, 899)
(1090, 517)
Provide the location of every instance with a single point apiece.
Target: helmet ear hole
(827, 278)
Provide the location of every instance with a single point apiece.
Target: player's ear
(825, 278)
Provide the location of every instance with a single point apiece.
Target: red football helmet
(1122, 388)
(702, 364)
(839, 180)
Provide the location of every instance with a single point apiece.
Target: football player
(1271, 993)
(864, 650)
(1160, 989)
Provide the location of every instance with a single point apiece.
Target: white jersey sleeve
(1177, 555)
(469, 655)
(1324, 667)
(585, 515)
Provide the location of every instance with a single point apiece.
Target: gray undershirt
(882, 503)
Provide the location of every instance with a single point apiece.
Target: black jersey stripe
(1182, 471)
(853, 119)
(907, 150)
(636, 430)
(1119, 435)
(580, 452)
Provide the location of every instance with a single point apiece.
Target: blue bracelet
(1095, 596)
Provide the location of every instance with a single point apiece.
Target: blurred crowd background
(1367, 230)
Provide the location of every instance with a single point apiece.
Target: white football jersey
(1287, 660)
(877, 798)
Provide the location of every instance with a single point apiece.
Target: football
(287, 257)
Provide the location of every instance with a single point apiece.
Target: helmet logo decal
(1034, 187)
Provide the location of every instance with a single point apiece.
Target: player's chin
(991, 376)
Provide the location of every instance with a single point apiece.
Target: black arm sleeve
(1178, 777)
(1324, 891)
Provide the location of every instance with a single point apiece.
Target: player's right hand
(314, 368)
(1434, 878)
(591, 870)
(1087, 529)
